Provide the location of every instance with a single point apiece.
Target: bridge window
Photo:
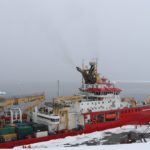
(100, 117)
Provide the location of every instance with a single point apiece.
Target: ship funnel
(89, 75)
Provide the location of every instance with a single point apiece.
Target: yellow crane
(28, 101)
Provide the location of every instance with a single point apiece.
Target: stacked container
(7, 130)
(39, 127)
(23, 131)
(40, 130)
(41, 134)
(7, 134)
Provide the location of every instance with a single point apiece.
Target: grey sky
(44, 40)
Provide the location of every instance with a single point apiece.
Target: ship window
(54, 120)
(100, 117)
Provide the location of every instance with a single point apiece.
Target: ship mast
(96, 65)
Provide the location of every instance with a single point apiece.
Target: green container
(8, 126)
(7, 130)
(24, 130)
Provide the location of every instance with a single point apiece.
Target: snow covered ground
(95, 140)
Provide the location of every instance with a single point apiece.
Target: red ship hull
(127, 116)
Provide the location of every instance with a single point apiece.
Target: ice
(61, 144)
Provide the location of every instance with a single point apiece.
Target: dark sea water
(138, 90)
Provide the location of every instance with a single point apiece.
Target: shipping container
(24, 130)
(21, 123)
(7, 130)
(8, 137)
(9, 125)
(41, 134)
(21, 136)
(24, 123)
(39, 127)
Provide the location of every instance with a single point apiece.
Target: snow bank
(61, 144)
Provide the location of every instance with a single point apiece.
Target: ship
(97, 106)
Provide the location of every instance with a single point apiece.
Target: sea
(140, 91)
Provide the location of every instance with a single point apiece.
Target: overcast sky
(43, 40)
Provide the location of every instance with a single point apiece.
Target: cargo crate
(7, 130)
(24, 130)
(39, 127)
(8, 137)
(41, 134)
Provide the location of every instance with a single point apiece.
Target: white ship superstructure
(97, 94)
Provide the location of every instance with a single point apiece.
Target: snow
(137, 146)
(61, 144)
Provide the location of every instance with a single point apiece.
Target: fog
(43, 41)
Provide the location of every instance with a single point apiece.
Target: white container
(41, 134)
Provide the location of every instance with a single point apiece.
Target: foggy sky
(43, 41)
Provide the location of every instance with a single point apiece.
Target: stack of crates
(7, 134)
(23, 130)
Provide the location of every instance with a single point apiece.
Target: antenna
(82, 69)
(96, 64)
